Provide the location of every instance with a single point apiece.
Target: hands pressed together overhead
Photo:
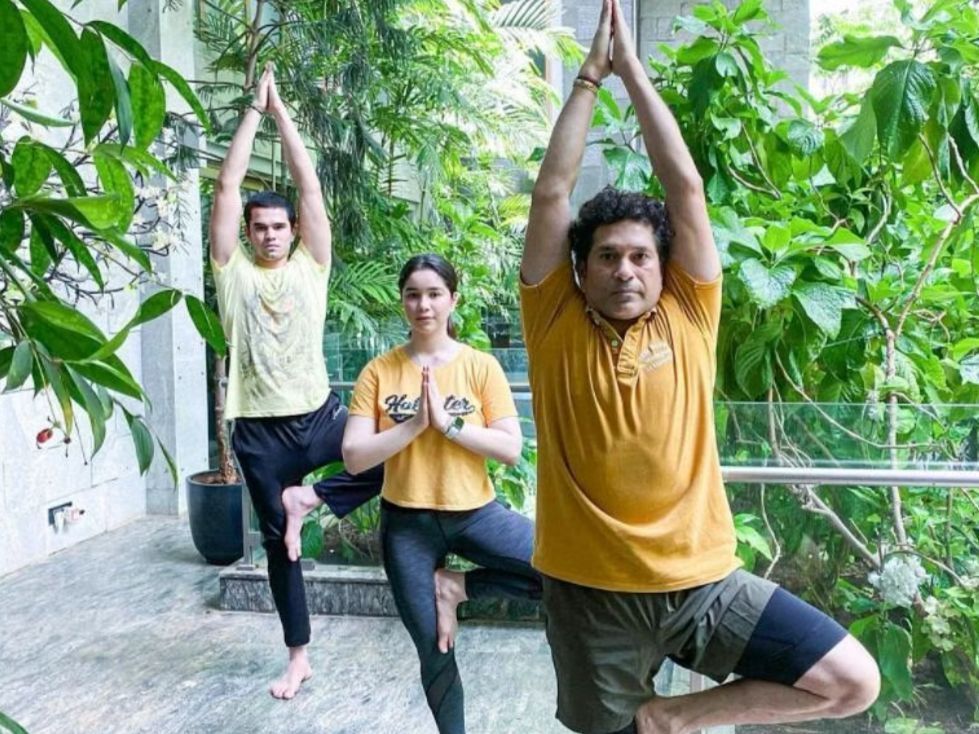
(612, 48)
(266, 97)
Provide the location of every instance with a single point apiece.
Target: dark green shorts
(608, 645)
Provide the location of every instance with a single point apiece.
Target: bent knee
(853, 681)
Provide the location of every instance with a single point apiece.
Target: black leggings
(414, 543)
(275, 453)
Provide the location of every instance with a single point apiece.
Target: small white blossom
(899, 579)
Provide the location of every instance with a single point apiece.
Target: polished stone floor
(121, 634)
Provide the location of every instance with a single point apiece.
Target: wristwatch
(453, 427)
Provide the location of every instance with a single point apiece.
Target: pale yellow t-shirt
(273, 320)
(434, 472)
(629, 493)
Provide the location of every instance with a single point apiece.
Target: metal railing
(912, 476)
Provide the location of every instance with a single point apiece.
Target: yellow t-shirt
(629, 492)
(434, 472)
(273, 320)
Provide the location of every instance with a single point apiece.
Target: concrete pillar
(172, 352)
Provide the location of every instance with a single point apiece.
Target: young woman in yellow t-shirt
(432, 410)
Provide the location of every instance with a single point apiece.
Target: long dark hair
(438, 265)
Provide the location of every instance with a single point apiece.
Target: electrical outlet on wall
(53, 516)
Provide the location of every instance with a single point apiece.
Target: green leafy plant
(69, 213)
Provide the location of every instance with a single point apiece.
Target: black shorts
(791, 636)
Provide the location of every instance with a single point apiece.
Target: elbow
(549, 191)
(351, 461)
(691, 184)
(511, 454)
(226, 182)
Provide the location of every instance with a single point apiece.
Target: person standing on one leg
(634, 535)
(273, 304)
(433, 410)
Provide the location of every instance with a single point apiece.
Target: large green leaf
(208, 324)
(142, 440)
(116, 180)
(753, 359)
(20, 366)
(630, 169)
(40, 250)
(111, 377)
(122, 39)
(64, 317)
(13, 47)
(55, 374)
(894, 658)
(31, 167)
(823, 304)
(96, 90)
(767, 286)
(183, 88)
(901, 95)
(95, 212)
(70, 178)
(748, 10)
(149, 105)
(803, 137)
(11, 229)
(78, 248)
(32, 115)
(60, 36)
(83, 394)
(856, 51)
(124, 105)
(858, 138)
(849, 245)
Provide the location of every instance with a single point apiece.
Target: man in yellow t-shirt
(273, 304)
(634, 535)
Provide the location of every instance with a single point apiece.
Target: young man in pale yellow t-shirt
(634, 535)
(273, 304)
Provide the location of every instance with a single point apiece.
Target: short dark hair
(610, 205)
(438, 265)
(269, 200)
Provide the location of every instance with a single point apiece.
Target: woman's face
(427, 302)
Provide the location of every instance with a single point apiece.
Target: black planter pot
(215, 519)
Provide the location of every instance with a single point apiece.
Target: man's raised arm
(226, 211)
(693, 246)
(314, 225)
(546, 244)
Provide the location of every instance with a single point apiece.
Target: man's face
(621, 278)
(270, 234)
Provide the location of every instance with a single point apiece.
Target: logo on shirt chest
(655, 355)
(401, 408)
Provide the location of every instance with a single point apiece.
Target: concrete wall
(108, 486)
(652, 22)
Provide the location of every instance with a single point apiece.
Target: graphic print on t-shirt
(400, 408)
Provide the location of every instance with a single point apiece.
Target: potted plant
(214, 497)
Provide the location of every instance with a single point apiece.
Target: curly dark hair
(610, 205)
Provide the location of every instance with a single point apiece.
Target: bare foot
(298, 502)
(450, 590)
(297, 672)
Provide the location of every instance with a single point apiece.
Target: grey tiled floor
(122, 634)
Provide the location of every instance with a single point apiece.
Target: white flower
(899, 579)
